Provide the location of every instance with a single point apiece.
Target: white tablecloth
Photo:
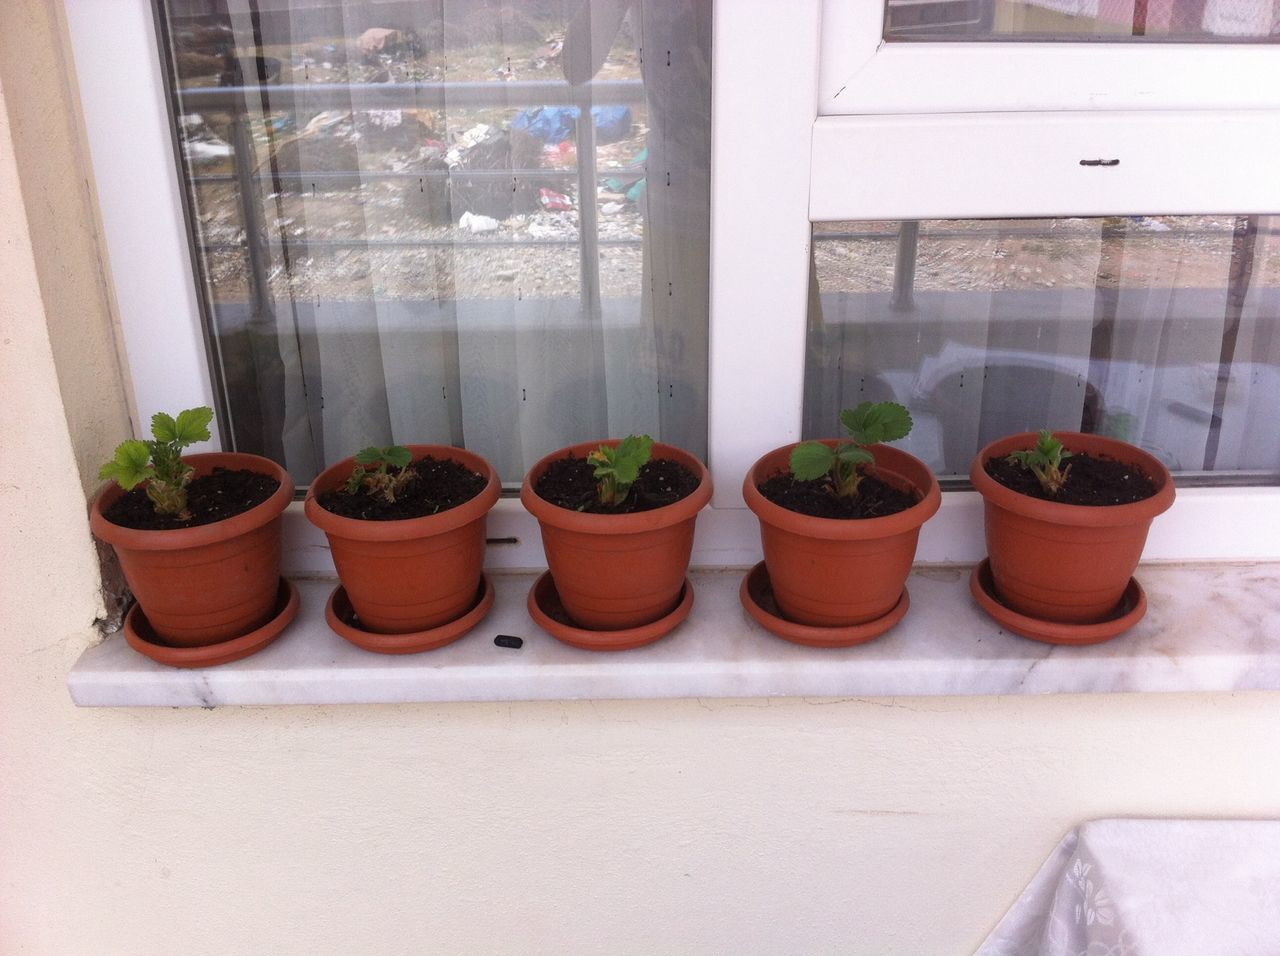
(1151, 888)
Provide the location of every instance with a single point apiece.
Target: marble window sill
(1213, 627)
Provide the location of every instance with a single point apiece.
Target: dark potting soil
(1093, 481)
(875, 498)
(222, 494)
(571, 483)
(438, 485)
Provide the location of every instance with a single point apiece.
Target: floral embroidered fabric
(1155, 887)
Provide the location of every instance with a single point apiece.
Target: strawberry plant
(159, 462)
(373, 475)
(1045, 462)
(868, 424)
(617, 468)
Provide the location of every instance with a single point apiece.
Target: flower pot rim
(1058, 512)
(403, 529)
(178, 539)
(846, 529)
(638, 522)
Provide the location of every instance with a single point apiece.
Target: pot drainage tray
(341, 618)
(1132, 607)
(138, 632)
(549, 614)
(756, 594)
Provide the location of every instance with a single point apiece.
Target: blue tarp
(555, 124)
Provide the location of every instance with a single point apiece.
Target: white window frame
(862, 73)
(770, 180)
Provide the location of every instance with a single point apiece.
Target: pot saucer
(756, 594)
(549, 614)
(341, 618)
(1132, 607)
(138, 632)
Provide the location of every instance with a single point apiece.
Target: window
(816, 123)
(1221, 21)
(1163, 331)
(407, 230)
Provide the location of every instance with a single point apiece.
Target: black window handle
(1099, 162)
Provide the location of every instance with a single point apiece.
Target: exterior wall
(869, 826)
(71, 266)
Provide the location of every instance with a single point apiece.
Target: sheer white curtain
(451, 251)
(1162, 331)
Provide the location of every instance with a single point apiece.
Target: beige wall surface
(861, 826)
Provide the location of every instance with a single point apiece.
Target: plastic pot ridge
(211, 583)
(833, 572)
(410, 574)
(1061, 562)
(614, 572)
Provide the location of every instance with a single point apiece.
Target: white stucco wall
(881, 826)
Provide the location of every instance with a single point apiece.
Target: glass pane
(405, 232)
(1163, 331)
(1187, 20)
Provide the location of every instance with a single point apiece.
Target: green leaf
(874, 422)
(192, 425)
(369, 456)
(630, 456)
(131, 465)
(810, 460)
(397, 455)
(854, 455)
(163, 427)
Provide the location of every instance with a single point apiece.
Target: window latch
(1099, 162)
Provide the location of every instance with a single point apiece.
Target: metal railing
(248, 102)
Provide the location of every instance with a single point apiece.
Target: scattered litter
(612, 208)
(467, 141)
(385, 119)
(325, 119)
(549, 52)
(553, 201)
(478, 224)
(555, 124)
(208, 150)
(377, 40)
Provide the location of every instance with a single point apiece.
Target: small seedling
(159, 462)
(868, 424)
(619, 467)
(373, 476)
(1045, 461)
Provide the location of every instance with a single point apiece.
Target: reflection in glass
(1133, 20)
(406, 232)
(1163, 331)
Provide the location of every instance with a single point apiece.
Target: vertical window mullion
(763, 110)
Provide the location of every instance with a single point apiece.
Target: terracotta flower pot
(834, 572)
(211, 583)
(415, 573)
(618, 571)
(1060, 562)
